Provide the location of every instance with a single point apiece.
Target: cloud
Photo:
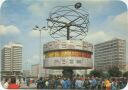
(98, 37)
(36, 8)
(119, 22)
(41, 7)
(7, 30)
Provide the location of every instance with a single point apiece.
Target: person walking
(47, 83)
(86, 84)
(18, 82)
(113, 85)
(6, 84)
(73, 83)
(51, 83)
(56, 83)
(28, 82)
(59, 86)
(40, 83)
(108, 84)
(93, 83)
(79, 84)
(64, 84)
(99, 83)
(69, 83)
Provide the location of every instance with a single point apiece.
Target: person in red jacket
(13, 84)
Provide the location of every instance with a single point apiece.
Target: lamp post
(40, 50)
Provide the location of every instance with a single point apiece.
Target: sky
(108, 20)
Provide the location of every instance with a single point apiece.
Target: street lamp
(40, 63)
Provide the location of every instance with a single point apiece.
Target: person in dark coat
(40, 83)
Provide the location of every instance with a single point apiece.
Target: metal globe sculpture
(68, 22)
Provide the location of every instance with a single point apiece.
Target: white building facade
(11, 59)
(109, 54)
(127, 67)
(37, 71)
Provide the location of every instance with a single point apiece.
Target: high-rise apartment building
(109, 54)
(11, 59)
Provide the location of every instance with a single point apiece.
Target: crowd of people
(78, 82)
(11, 83)
(88, 83)
(16, 83)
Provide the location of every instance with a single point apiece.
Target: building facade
(126, 67)
(11, 60)
(37, 70)
(26, 73)
(109, 54)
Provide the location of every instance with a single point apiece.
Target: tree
(96, 73)
(105, 74)
(125, 74)
(114, 72)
